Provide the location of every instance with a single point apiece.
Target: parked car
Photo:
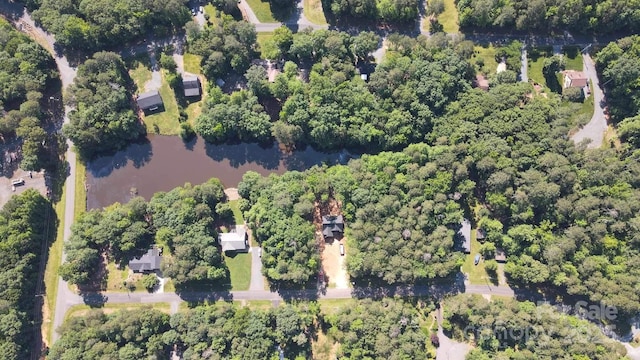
(342, 249)
(476, 260)
(259, 252)
(17, 182)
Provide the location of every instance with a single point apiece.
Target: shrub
(150, 282)
(573, 94)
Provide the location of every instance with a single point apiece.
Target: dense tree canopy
(379, 330)
(182, 221)
(103, 120)
(91, 25)
(24, 222)
(25, 71)
(389, 11)
(508, 329)
(224, 46)
(619, 64)
(544, 15)
(382, 196)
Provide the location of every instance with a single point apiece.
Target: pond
(164, 162)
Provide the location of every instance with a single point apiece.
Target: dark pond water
(165, 162)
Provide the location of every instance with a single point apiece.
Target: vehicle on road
(342, 249)
(476, 260)
(259, 252)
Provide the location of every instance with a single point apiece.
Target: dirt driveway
(334, 265)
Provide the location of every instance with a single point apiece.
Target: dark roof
(191, 85)
(147, 262)
(332, 224)
(481, 234)
(149, 99)
(500, 255)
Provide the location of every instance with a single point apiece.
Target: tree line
(510, 329)
(599, 16)
(27, 221)
(388, 329)
(89, 26)
(26, 71)
(181, 221)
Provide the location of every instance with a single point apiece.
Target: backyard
(164, 122)
(449, 17)
(313, 12)
(477, 274)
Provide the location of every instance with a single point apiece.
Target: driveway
(257, 280)
(595, 129)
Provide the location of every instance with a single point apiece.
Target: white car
(259, 252)
(342, 249)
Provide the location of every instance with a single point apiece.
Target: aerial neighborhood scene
(319, 179)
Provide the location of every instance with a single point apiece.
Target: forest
(509, 329)
(26, 222)
(388, 11)
(26, 72)
(180, 221)
(593, 16)
(102, 120)
(334, 108)
(87, 26)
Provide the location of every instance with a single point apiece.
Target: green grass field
(139, 70)
(488, 56)
(332, 306)
(80, 205)
(535, 63)
(167, 120)
(449, 18)
(573, 58)
(262, 9)
(81, 310)
(51, 271)
(237, 214)
(313, 12)
(477, 273)
(239, 265)
(192, 63)
(263, 38)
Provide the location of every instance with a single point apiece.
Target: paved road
(524, 69)
(257, 280)
(595, 129)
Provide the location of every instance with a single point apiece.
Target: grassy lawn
(535, 61)
(262, 39)
(139, 70)
(239, 265)
(80, 205)
(167, 120)
(488, 56)
(332, 306)
(192, 63)
(262, 9)
(573, 58)
(51, 272)
(117, 277)
(313, 12)
(477, 273)
(237, 214)
(169, 286)
(449, 18)
(81, 310)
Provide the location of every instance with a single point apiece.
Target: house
(234, 240)
(147, 262)
(465, 234)
(150, 101)
(500, 257)
(191, 85)
(574, 78)
(332, 226)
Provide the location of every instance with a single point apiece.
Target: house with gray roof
(191, 86)
(332, 226)
(234, 240)
(147, 262)
(150, 101)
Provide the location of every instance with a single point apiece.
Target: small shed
(147, 262)
(465, 234)
(481, 82)
(332, 226)
(191, 86)
(481, 234)
(234, 240)
(150, 101)
(501, 257)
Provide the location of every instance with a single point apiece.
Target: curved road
(595, 129)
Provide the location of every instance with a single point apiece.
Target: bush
(167, 62)
(435, 7)
(573, 94)
(488, 250)
(224, 211)
(186, 131)
(491, 266)
(150, 282)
